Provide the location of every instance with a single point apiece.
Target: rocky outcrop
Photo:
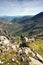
(7, 35)
(4, 41)
(20, 54)
(34, 62)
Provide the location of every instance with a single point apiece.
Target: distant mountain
(38, 28)
(21, 19)
(31, 25)
(4, 24)
(3, 21)
(7, 17)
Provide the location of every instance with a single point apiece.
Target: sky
(20, 7)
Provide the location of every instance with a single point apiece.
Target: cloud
(20, 7)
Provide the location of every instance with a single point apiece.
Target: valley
(10, 40)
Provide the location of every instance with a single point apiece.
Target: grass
(7, 56)
(38, 46)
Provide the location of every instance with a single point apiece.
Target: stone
(13, 60)
(1, 62)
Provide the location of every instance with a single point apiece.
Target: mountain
(38, 16)
(9, 18)
(10, 51)
(4, 24)
(31, 25)
(27, 25)
(21, 19)
(38, 19)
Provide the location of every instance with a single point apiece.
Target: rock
(14, 47)
(26, 39)
(1, 62)
(22, 59)
(34, 62)
(4, 41)
(39, 58)
(17, 46)
(13, 60)
(20, 51)
(27, 51)
(7, 63)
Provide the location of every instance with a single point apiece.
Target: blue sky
(20, 7)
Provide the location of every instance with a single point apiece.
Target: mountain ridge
(26, 25)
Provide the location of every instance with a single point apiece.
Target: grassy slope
(7, 56)
(32, 26)
(38, 46)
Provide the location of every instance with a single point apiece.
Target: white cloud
(20, 7)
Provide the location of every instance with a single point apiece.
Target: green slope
(26, 25)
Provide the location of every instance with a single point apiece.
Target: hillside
(13, 54)
(4, 24)
(32, 25)
(38, 17)
(27, 25)
(10, 51)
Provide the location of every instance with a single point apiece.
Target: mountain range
(27, 25)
